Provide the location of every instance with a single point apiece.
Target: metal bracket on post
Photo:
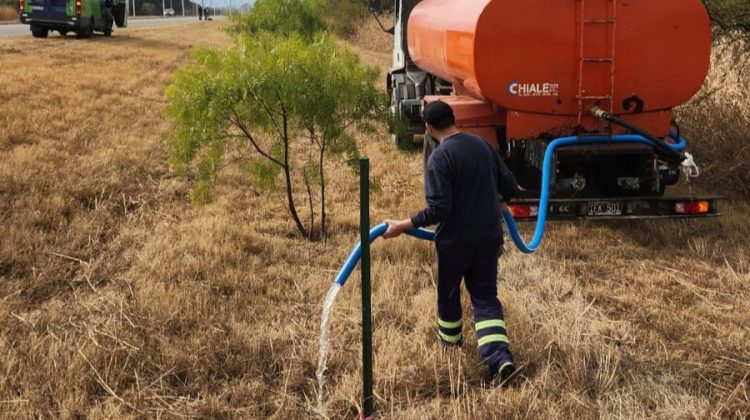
(364, 229)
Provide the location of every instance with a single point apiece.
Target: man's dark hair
(439, 115)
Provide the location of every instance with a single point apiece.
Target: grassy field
(8, 14)
(119, 299)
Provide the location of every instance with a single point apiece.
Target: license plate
(605, 208)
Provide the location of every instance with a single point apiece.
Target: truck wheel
(428, 146)
(398, 125)
(39, 32)
(84, 33)
(108, 29)
(403, 141)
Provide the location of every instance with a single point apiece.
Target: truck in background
(82, 17)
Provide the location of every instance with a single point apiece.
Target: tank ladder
(609, 20)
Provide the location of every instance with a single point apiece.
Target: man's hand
(503, 207)
(397, 227)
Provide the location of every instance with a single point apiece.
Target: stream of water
(324, 344)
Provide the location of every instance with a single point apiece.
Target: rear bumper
(620, 207)
(70, 23)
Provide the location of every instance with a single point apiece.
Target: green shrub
(267, 92)
(282, 17)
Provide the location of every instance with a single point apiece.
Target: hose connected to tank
(547, 174)
(510, 223)
(670, 154)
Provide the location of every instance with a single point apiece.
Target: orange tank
(544, 63)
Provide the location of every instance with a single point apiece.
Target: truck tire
(108, 28)
(38, 32)
(401, 126)
(86, 32)
(403, 141)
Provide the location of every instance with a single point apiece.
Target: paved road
(20, 29)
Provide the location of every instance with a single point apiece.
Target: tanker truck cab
(81, 17)
(406, 84)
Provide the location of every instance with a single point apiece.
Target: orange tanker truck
(604, 75)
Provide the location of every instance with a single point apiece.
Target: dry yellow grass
(119, 299)
(718, 119)
(8, 13)
(370, 36)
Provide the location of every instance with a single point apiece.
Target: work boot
(502, 367)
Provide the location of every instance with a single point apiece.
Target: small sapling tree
(279, 96)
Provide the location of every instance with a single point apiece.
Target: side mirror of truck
(373, 6)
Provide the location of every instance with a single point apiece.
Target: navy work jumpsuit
(465, 179)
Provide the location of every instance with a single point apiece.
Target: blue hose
(375, 232)
(536, 240)
(546, 175)
(681, 143)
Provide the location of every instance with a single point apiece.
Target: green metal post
(364, 230)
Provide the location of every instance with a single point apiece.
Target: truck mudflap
(618, 208)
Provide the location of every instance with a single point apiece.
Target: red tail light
(78, 7)
(691, 207)
(21, 5)
(523, 211)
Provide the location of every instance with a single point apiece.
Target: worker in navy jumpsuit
(466, 182)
